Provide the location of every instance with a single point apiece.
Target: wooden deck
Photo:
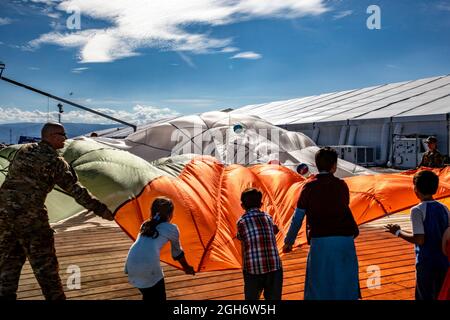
(99, 251)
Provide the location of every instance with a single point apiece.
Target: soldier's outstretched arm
(67, 179)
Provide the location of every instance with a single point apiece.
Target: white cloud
(34, 68)
(162, 24)
(139, 115)
(342, 14)
(5, 21)
(229, 49)
(54, 15)
(247, 55)
(79, 70)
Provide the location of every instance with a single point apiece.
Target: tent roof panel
(422, 96)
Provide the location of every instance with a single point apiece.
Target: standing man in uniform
(25, 231)
(432, 158)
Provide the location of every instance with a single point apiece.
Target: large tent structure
(373, 116)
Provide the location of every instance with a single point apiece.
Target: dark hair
(49, 128)
(326, 158)
(426, 182)
(251, 198)
(161, 211)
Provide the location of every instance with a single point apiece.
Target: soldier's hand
(105, 214)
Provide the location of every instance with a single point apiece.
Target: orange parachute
(206, 195)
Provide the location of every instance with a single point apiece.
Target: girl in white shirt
(143, 264)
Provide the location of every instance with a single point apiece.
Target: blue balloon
(238, 128)
(302, 168)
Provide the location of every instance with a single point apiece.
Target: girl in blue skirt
(332, 265)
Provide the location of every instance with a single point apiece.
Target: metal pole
(68, 102)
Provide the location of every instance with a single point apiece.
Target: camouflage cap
(431, 139)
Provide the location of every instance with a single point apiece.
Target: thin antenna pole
(48, 109)
(68, 102)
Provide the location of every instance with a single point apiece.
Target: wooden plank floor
(99, 249)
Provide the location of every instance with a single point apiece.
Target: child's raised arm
(395, 229)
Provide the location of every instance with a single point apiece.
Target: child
(445, 291)
(429, 220)
(332, 265)
(260, 259)
(142, 264)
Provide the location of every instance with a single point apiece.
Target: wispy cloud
(393, 66)
(342, 14)
(79, 70)
(5, 21)
(229, 49)
(34, 68)
(139, 115)
(187, 59)
(247, 55)
(162, 24)
(443, 6)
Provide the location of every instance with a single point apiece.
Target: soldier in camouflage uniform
(432, 158)
(25, 231)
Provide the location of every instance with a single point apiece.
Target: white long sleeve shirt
(143, 261)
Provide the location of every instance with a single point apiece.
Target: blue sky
(141, 60)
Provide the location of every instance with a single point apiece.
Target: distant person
(429, 220)
(445, 291)
(332, 264)
(93, 135)
(432, 158)
(24, 227)
(261, 262)
(143, 261)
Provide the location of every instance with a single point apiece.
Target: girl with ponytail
(142, 264)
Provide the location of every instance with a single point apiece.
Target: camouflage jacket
(33, 173)
(432, 159)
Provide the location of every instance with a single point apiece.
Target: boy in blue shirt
(429, 220)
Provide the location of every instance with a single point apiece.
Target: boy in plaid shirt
(260, 259)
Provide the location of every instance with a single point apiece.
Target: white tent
(368, 116)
